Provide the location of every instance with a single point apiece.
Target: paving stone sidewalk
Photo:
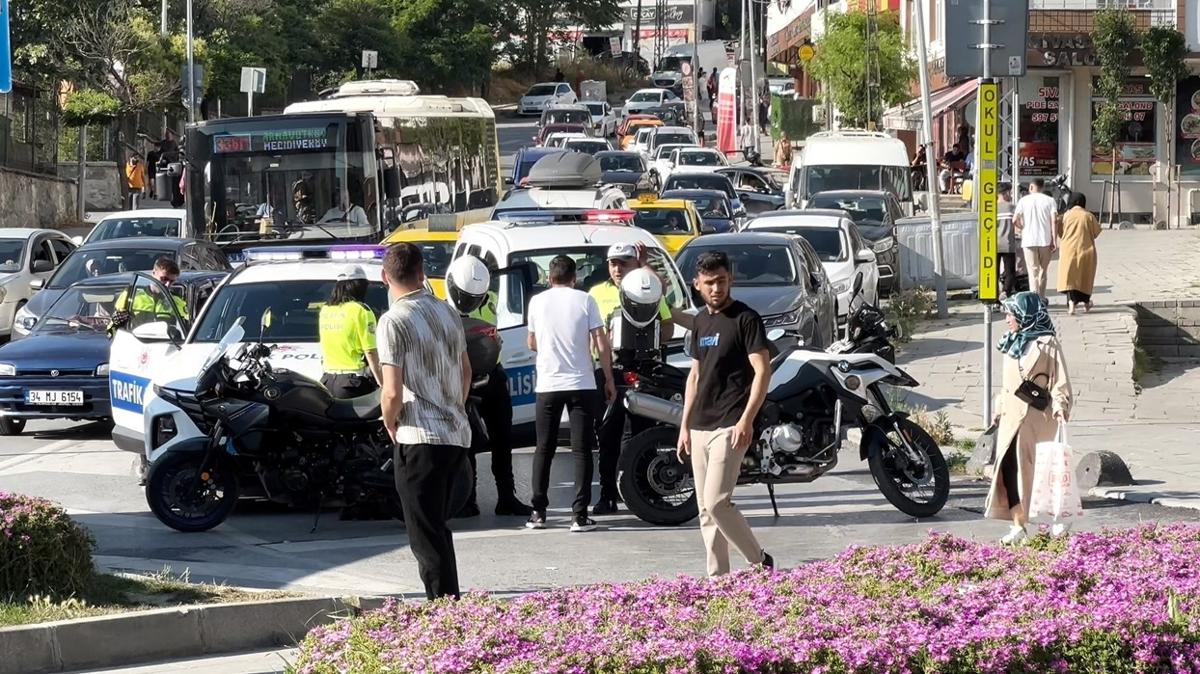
(1153, 425)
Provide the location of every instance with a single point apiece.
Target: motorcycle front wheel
(915, 489)
(189, 494)
(654, 485)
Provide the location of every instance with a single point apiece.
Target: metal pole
(191, 62)
(740, 117)
(753, 77)
(162, 31)
(696, 71)
(935, 208)
(249, 103)
(987, 307)
(80, 192)
(637, 34)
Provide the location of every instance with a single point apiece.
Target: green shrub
(88, 106)
(42, 550)
(906, 308)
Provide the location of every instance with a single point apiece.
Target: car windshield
(700, 159)
(704, 181)
(664, 151)
(862, 210)
(591, 268)
(120, 228)
(541, 90)
(587, 146)
(597, 109)
(753, 264)
(82, 309)
(711, 207)
(568, 117)
(646, 97)
(828, 241)
(673, 139)
(662, 220)
(895, 179)
(436, 256)
(295, 309)
(12, 254)
(85, 263)
(621, 162)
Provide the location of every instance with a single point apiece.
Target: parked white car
(646, 99)
(26, 254)
(169, 222)
(545, 94)
(560, 138)
(604, 120)
(842, 250)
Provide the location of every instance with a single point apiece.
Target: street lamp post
(191, 67)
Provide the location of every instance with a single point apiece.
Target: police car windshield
(591, 268)
(12, 252)
(119, 228)
(85, 263)
(295, 309)
(81, 309)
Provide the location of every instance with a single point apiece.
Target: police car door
(512, 287)
(141, 343)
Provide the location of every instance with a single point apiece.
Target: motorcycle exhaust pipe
(653, 407)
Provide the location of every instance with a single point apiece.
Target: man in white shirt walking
(1034, 221)
(564, 328)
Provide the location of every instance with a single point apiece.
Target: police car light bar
(295, 253)
(561, 216)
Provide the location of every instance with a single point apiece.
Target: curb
(1150, 497)
(168, 634)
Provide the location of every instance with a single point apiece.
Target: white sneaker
(582, 523)
(1015, 536)
(1060, 529)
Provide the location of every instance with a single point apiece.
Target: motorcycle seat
(362, 408)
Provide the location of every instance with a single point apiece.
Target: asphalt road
(267, 547)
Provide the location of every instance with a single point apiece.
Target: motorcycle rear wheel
(917, 491)
(187, 499)
(654, 485)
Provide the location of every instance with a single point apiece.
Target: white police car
(530, 239)
(292, 282)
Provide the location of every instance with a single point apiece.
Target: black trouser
(1008, 272)
(582, 406)
(614, 428)
(348, 385)
(1078, 297)
(1008, 473)
(425, 476)
(495, 406)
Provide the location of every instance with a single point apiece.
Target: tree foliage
(841, 65)
(1115, 37)
(1163, 52)
(88, 106)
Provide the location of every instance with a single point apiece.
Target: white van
(668, 73)
(850, 159)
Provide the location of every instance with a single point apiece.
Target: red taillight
(631, 379)
(609, 215)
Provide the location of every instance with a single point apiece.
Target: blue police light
(329, 253)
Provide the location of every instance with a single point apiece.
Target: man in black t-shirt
(725, 389)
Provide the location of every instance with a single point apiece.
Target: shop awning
(907, 117)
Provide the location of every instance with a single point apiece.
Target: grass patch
(108, 594)
(956, 461)
(1144, 363)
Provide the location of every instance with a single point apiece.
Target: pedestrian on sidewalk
(725, 389)
(135, 177)
(1034, 359)
(1077, 261)
(1006, 241)
(564, 328)
(712, 87)
(426, 378)
(783, 152)
(1033, 220)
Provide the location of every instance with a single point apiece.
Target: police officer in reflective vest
(468, 283)
(150, 305)
(347, 332)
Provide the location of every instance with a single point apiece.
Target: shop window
(1187, 136)
(1136, 149)
(1039, 128)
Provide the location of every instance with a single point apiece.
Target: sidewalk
(1155, 429)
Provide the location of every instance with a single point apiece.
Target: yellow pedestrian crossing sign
(988, 147)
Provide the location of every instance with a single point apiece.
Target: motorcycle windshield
(232, 336)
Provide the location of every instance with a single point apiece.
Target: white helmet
(641, 295)
(467, 283)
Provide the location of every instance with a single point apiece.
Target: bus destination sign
(276, 140)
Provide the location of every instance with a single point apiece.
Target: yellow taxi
(630, 126)
(674, 222)
(437, 249)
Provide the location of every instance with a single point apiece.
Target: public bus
(366, 159)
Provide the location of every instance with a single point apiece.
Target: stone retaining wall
(1169, 328)
(34, 200)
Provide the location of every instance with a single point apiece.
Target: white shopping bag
(1055, 492)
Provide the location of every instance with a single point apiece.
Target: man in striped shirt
(426, 377)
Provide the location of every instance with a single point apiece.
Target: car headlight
(102, 371)
(840, 287)
(3, 293)
(883, 245)
(8, 370)
(780, 320)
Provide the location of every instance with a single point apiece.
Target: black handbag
(1035, 395)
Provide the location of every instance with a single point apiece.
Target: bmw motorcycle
(276, 434)
(812, 397)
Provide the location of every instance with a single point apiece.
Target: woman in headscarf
(1077, 259)
(1031, 352)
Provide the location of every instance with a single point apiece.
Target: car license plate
(54, 397)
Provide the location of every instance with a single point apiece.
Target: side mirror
(42, 266)
(37, 284)
(864, 256)
(815, 280)
(706, 228)
(391, 182)
(158, 331)
(687, 346)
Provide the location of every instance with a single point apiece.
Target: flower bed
(42, 551)
(1115, 602)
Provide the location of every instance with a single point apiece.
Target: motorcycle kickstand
(774, 505)
(317, 515)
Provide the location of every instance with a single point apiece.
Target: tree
(535, 22)
(1163, 52)
(1114, 37)
(841, 65)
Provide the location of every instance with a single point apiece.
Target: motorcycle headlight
(102, 371)
(883, 245)
(840, 287)
(8, 370)
(780, 320)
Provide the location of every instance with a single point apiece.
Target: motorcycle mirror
(857, 287)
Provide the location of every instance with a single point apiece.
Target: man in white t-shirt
(1034, 221)
(565, 326)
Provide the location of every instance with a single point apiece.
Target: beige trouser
(716, 465)
(1037, 261)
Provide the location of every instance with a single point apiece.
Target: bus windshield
(293, 177)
